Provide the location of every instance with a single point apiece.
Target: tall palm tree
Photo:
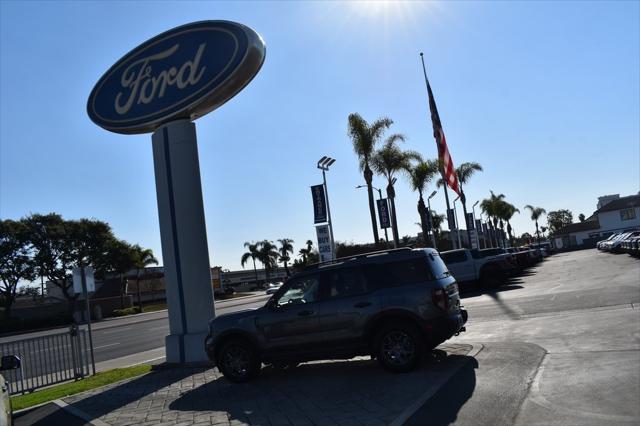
(252, 254)
(286, 247)
(304, 252)
(387, 161)
(491, 207)
(436, 222)
(268, 255)
(507, 213)
(420, 175)
(536, 213)
(464, 172)
(141, 259)
(365, 136)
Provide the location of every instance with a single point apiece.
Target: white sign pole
(85, 294)
(184, 241)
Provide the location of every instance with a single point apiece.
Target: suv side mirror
(9, 362)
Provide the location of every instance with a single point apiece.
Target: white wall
(610, 221)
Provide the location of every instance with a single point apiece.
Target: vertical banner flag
(449, 172)
(451, 219)
(479, 226)
(324, 243)
(470, 224)
(319, 204)
(383, 213)
(429, 220)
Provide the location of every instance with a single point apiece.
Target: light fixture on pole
(386, 236)
(323, 164)
(433, 233)
(455, 217)
(473, 215)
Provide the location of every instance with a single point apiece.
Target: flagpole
(440, 166)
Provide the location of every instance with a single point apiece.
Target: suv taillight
(440, 298)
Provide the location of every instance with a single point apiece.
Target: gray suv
(393, 305)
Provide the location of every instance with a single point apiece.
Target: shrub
(126, 311)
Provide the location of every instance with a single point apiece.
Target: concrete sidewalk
(340, 392)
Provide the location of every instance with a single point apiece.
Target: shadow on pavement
(479, 292)
(48, 415)
(443, 407)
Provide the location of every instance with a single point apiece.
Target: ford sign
(183, 73)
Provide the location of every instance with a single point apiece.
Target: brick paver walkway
(352, 392)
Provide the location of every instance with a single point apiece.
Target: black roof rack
(354, 257)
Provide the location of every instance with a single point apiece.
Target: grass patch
(67, 389)
(155, 307)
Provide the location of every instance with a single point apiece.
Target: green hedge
(126, 311)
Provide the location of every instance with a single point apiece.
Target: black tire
(238, 361)
(399, 347)
(491, 277)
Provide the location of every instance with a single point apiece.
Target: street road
(122, 337)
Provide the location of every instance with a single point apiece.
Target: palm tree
(491, 207)
(304, 252)
(464, 172)
(252, 254)
(419, 176)
(268, 255)
(536, 213)
(365, 136)
(436, 222)
(141, 259)
(286, 247)
(387, 161)
(507, 212)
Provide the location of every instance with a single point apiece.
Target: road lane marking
(118, 330)
(158, 328)
(106, 346)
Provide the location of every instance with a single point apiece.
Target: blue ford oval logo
(185, 72)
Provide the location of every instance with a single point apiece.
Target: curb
(431, 390)
(78, 413)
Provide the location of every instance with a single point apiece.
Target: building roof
(621, 203)
(587, 225)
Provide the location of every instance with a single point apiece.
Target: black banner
(479, 226)
(383, 213)
(429, 220)
(319, 204)
(451, 219)
(470, 224)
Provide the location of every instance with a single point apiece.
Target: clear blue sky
(545, 95)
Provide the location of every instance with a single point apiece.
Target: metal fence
(47, 360)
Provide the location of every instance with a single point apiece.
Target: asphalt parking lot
(559, 344)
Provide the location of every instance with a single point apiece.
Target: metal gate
(47, 360)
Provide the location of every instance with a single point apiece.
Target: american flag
(443, 152)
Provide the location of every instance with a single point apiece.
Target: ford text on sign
(183, 73)
(383, 213)
(319, 204)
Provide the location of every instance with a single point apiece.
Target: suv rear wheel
(399, 347)
(238, 361)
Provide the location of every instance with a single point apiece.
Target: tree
(559, 219)
(436, 222)
(420, 175)
(141, 259)
(581, 217)
(464, 172)
(119, 260)
(16, 262)
(536, 213)
(365, 137)
(252, 254)
(507, 212)
(387, 161)
(304, 252)
(61, 245)
(286, 247)
(492, 208)
(268, 255)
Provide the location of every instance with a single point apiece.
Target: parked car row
(621, 242)
(393, 305)
(490, 268)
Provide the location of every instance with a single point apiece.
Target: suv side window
(454, 257)
(345, 283)
(399, 273)
(300, 290)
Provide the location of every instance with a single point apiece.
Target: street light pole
(323, 165)
(455, 216)
(430, 219)
(386, 236)
(473, 214)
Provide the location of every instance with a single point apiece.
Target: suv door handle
(305, 313)
(362, 304)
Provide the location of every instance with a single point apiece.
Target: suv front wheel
(399, 347)
(238, 361)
